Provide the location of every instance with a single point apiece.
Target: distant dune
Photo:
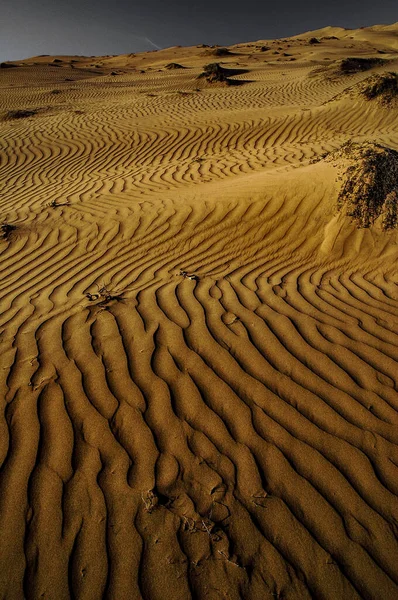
(198, 322)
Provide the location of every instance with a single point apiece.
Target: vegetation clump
(187, 275)
(219, 52)
(391, 210)
(20, 114)
(384, 87)
(370, 184)
(56, 203)
(173, 65)
(104, 296)
(356, 65)
(314, 40)
(214, 72)
(6, 230)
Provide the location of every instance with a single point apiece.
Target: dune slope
(198, 335)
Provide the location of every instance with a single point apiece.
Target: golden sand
(198, 340)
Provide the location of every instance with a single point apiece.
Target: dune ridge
(198, 343)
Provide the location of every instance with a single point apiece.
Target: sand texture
(198, 322)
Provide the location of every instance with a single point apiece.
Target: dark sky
(32, 27)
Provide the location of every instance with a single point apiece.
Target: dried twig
(150, 501)
(229, 560)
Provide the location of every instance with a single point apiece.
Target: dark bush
(214, 72)
(20, 114)
(220, 52)
(383, 86)
(173, 65)
(6, 230)
(356, 65)
(370, 186)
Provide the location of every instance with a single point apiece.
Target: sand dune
(199, 339)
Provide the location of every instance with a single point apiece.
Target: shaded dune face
(198, 340)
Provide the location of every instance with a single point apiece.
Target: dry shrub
(370, 183)
(6, 230)
(19, 114)
(356, 65)
(383, 87)
(214, 72)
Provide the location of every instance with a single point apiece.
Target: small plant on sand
(104, 296)
(57, 203)
(370, 183)
(6, 230)
(173, 65)
(20, 114)
(153, 499)
(219, 52)
(187, 275)
(150, 501)
(213, 72)
(356, 65)
(383, 87)
(314, 40)
(390, 220)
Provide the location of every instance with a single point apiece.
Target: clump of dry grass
(356, 65)
(187, 275)
(383, 87)
(6, 230)
(20, 114)
(104, 296)
(370, 184)
(214, 72)
(391, 212)
(219, 52)
(172, 66)
(153, 500)
(57, 203)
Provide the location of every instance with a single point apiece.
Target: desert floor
(198, 342)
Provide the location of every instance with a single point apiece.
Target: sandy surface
(198, 343)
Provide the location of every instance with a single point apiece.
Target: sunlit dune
(198, 322)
